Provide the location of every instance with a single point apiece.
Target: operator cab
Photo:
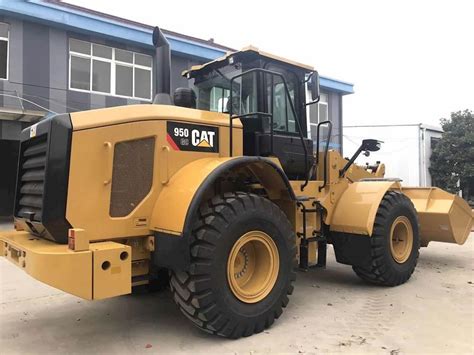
(273, 114)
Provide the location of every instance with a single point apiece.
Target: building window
(321, 114)
(4, 32)
(111, 71)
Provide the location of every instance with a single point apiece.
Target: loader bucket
(443, 217)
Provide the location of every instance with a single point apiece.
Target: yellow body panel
(356, 209)
(92, 151)
(173, 202)
(356, 172)
(134, 113)
(51, 263)
(78, 273)
(115, 279)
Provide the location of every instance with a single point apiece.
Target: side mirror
(367, 146)
(371, 145)
(314, 86)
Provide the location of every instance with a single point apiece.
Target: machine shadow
(446, 261)
(151, 317)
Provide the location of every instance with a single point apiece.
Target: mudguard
(183, 194)
(356, 209)
(179, 201)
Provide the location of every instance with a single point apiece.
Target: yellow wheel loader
(218, 187)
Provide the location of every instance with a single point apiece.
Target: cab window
(213, 91)
(218, 99)
(284, 119)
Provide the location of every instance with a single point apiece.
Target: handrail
(326, 149)
(232, 117)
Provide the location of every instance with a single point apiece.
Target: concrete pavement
(330, 311)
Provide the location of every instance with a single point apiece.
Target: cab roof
(249, 49)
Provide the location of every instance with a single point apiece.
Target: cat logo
(203, 139)
(192, 137)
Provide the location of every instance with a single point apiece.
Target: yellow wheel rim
(401, 239)
(252, 266)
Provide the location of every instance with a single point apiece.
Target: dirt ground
(331, 311)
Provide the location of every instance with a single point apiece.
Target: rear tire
(208, 295)
(395, 242)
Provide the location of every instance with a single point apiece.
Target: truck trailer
(406, 149)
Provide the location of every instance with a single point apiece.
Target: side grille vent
(42, 179)
(132, 174)
(32, 178)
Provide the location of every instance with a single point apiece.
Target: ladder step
(303, 198)
(316, 239)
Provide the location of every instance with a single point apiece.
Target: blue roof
(93, 23)
(336, 85)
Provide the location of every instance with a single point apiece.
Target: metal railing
(326, 149)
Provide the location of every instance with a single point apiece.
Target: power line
(31, 102)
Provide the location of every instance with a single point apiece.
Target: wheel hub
(252, 266)
(401, 239)
(241, 263)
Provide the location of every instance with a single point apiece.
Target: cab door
(287, 146)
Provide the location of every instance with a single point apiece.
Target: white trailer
(405, 152)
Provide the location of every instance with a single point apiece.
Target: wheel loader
(217, 187)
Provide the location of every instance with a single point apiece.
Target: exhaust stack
(162, 67)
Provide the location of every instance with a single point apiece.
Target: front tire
(395, 242)
(243, 261)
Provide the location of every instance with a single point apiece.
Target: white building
(405, 152)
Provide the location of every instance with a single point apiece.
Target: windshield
(213, 91)
(252, 92)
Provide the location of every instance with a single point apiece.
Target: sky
(409, 61)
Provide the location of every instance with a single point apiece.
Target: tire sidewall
(278, 230)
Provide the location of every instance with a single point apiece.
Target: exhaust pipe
(162, 67)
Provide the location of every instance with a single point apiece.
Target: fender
(356, 209)
(179, 201)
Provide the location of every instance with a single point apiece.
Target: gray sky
(410, 61)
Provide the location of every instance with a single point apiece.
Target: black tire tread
(191, 290)
(378, 273)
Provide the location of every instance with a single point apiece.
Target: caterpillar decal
(192, 137)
